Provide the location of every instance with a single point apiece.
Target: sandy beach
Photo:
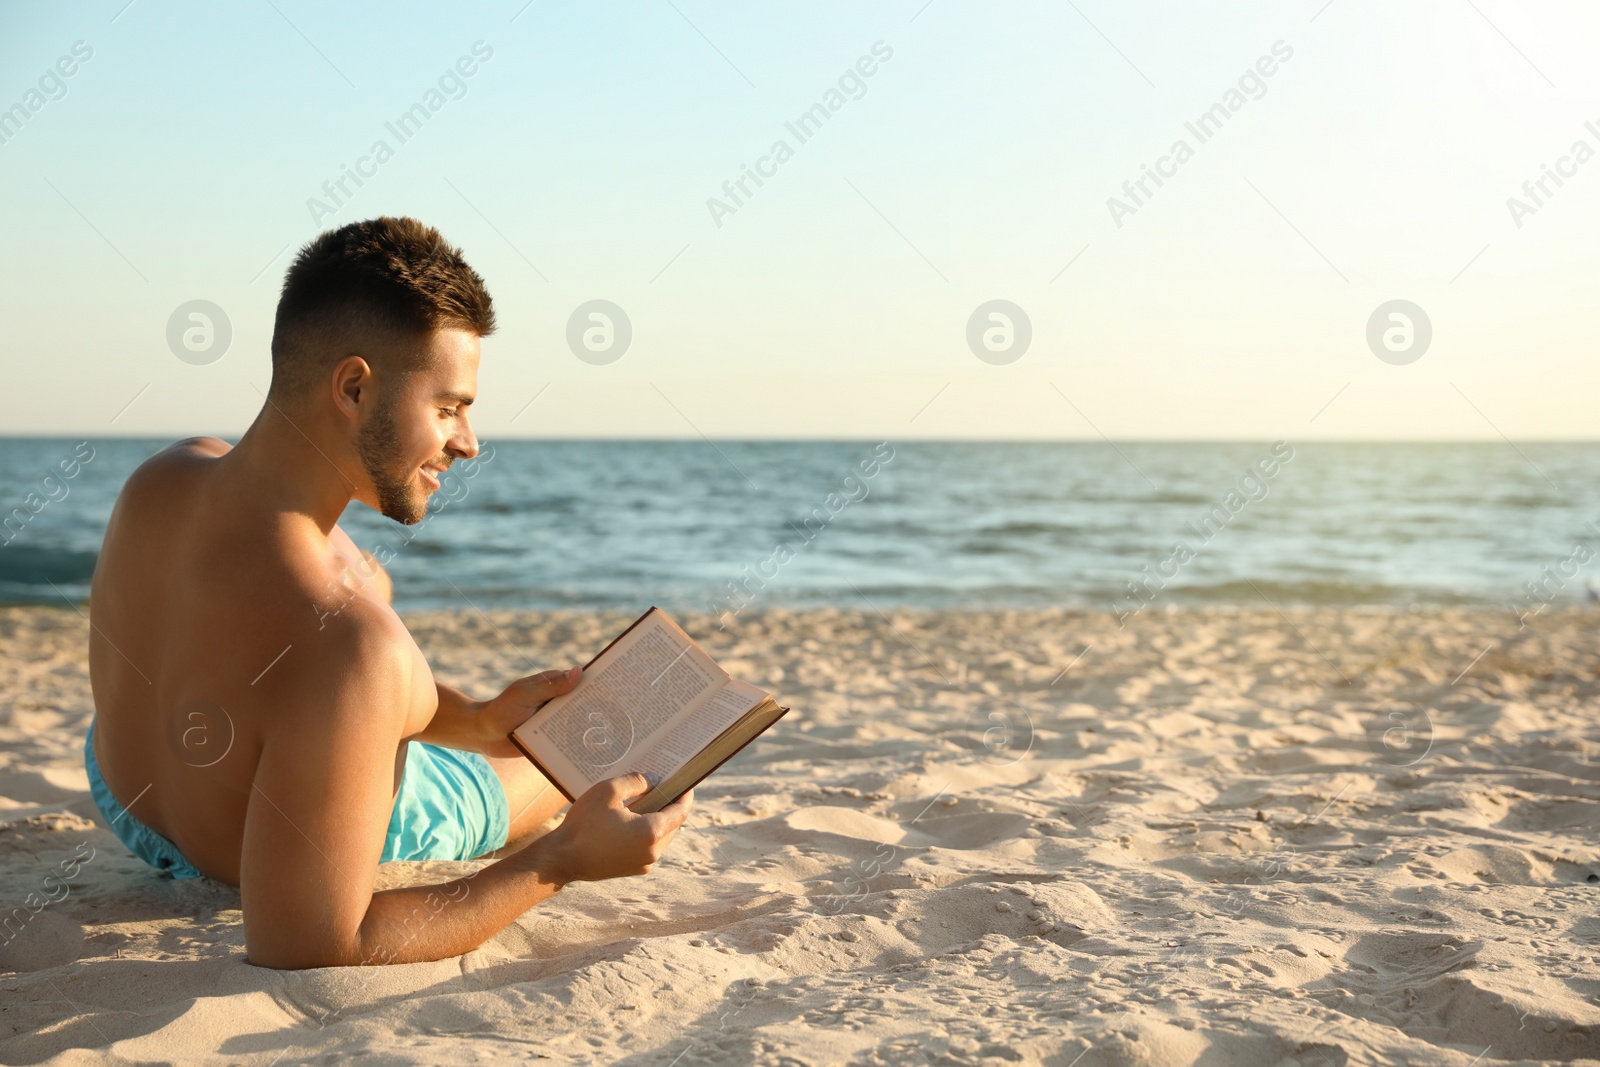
(1211, 837)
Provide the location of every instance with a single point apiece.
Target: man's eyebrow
(458, 398)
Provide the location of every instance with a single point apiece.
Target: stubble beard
(378, 445)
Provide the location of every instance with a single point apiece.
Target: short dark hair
(386, 279)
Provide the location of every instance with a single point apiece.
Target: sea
(695, 526)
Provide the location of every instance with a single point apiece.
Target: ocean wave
(30, 575)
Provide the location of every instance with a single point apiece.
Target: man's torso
(199, 595)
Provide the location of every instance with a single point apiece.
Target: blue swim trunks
(451, 807)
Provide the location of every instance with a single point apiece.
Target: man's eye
(448, 413)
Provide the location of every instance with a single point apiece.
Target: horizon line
(837, 439)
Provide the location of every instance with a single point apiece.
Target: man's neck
(292, 466)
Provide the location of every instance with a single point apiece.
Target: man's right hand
(600, 838)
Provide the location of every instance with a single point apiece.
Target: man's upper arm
(322, 794)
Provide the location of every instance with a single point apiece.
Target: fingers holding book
(665, 822)
(525, 695)
(670, 819)
(496, 718)
(601, 839)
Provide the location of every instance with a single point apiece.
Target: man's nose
(464, 443)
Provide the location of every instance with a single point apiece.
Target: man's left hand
(485, 726)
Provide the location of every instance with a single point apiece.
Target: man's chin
(406, 505)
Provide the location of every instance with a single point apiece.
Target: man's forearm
(456, 723)
(423, 923)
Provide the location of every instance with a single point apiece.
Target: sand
(1214, 837)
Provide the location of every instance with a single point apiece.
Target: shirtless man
(262, 715)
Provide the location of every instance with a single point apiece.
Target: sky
(1360, 152)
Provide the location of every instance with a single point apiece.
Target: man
(262, 715)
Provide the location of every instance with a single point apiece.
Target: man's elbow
(303, 953)
(296, 960)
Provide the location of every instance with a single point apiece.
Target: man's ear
(351, 383)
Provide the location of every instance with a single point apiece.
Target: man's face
(419, 427)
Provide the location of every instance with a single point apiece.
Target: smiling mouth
(431, 477)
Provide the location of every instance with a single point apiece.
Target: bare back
(199, 595)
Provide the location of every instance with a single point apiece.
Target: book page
(698, 729)
(630, 693)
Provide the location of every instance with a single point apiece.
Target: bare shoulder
(199, 446)
(174, 465)
(359, 665)
(188, 450)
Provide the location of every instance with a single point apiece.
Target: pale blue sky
(975, 166)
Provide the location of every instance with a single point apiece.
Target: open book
(652, 701)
